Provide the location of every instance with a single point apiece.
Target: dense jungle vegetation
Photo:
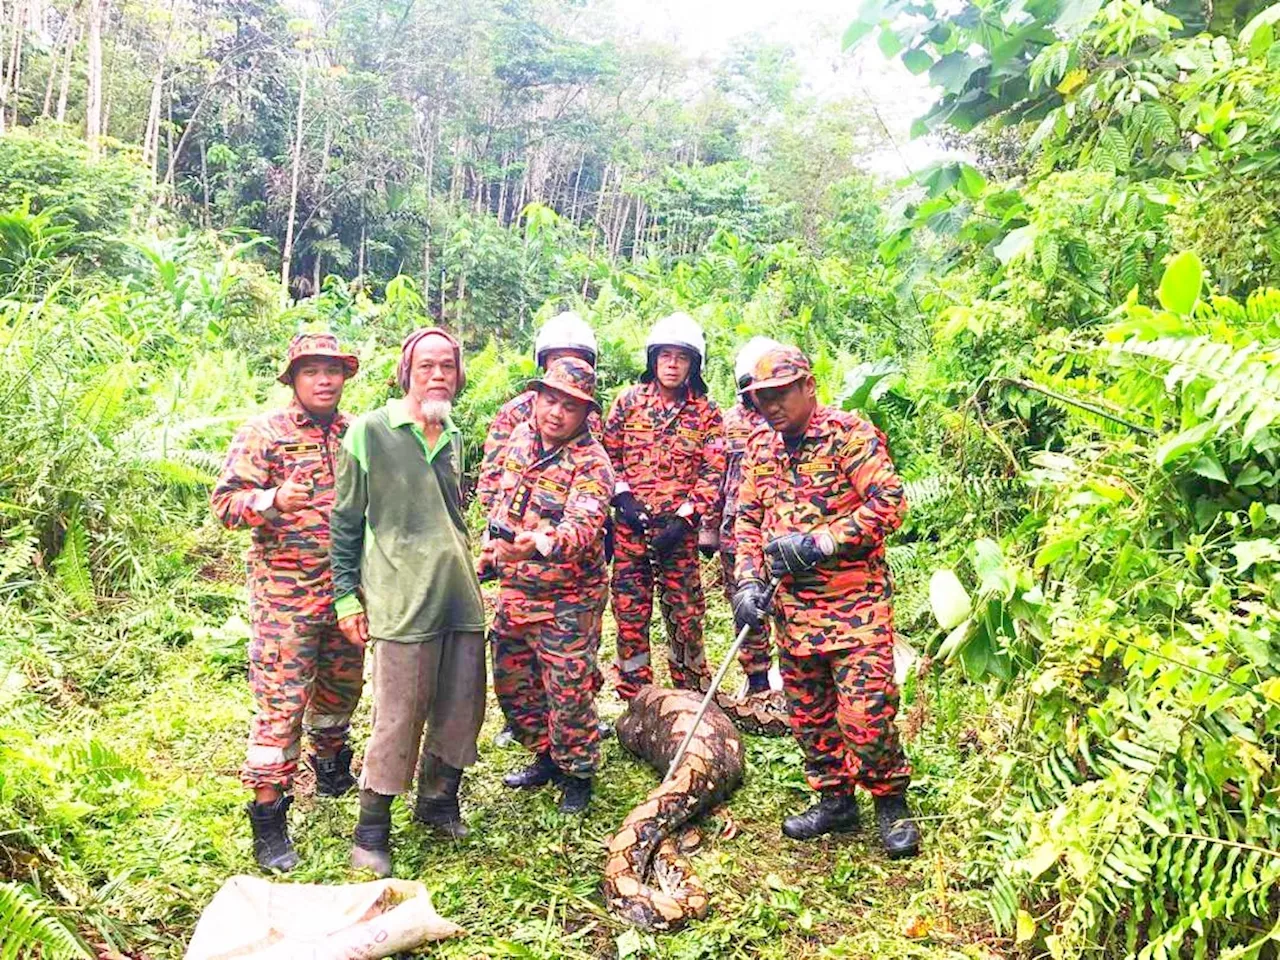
(1070, 334)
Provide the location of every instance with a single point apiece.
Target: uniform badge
(300, 448)
(816, 466)
(554, 487)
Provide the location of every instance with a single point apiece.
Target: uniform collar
(819, 427)
(305, 418)
(656, 392)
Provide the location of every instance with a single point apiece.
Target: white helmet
(677, 330)
(565, 331)
(751, 351)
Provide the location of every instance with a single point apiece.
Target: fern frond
(29, 929)
(72, 562)
(1243, 384)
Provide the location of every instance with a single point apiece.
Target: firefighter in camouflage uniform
(564, 335)
(278, 480)
(740, 421)
(665, 439)
(818, 497)
(548, 547)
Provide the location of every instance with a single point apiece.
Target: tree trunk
(641, 213)
(15, 58)
(151, 139)
(204, 181)
(287, 255)
(462, 292)
(65, 84)
(426, 271)
(93, 99)
(315, 274)
(577, 185)
(360, 252)
(502, 195)
(64, 37)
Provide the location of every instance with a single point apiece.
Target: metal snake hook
(770, 590)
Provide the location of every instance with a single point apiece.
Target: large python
(646, 880)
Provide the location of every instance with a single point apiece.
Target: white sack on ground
(255, 919)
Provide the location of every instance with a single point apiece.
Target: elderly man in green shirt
(404, 580)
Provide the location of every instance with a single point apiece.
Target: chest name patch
(301, 447)
(817, 466)
(548, 485)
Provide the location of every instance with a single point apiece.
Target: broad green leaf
(949, 599)
(1266, 18)
(628, 944)
(972, 183)
(993, 573)
(888, 41)
(1015, 244)
(853, 35)
(1182, 443)
(1207, 465)
(1054, 550)
(1181, 283)
(953, 71)
(1249, 553)
(1026, 927)
(917, 61)
(1041, 858)
(1263, 37)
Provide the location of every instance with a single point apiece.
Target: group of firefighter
(359, 540)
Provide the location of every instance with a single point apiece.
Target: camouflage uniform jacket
(510, 415)
(565, 495)
(289, 556)
(666, 455)
(839, 479)
(740, 421)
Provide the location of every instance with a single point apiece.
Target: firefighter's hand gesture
(294, 493)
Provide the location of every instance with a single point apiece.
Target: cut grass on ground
(525, 883)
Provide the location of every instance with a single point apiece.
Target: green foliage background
(1069, 337)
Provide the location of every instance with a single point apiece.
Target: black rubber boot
(834, 813)
(605, 729)
(757, 683)
(537, 774)
(271, 845)
(898, 830)
(575, 794)
(439, 807)
(333, 774)
(371, 843)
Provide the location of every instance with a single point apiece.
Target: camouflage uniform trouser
(679, 580)
(303, 676)
(545, 678)
(842, 706)
(754, 654)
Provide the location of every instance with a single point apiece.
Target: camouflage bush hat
(779, 367)
(305, 345)
(571, 376)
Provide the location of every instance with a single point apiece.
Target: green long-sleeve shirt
(397, 530)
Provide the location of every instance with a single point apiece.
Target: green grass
(162, 825)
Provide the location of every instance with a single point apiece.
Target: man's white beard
(436, 411)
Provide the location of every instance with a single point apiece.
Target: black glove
(749, 606)
(669, 537)
(632, 512)
(794, 553)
